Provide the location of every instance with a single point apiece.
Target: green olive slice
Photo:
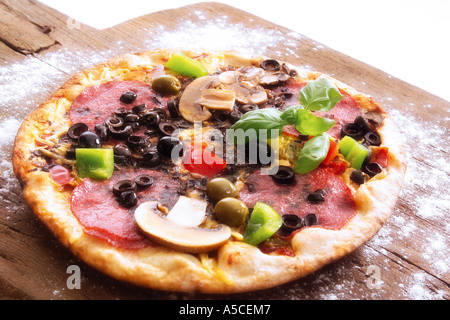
(166, 84)
(231, 211)
(220, 188)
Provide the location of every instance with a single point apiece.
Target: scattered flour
(22, 82)
(8, 130)
(421, 289)
(429, 173)
(426, 190)
(220, 34)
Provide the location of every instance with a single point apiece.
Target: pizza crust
(236, 267)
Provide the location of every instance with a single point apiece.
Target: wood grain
(410, 253)
(21, 35)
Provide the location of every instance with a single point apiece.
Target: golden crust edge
(231, 259)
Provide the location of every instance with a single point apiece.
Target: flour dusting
(24, 81)
(220, 34)
(425, 190)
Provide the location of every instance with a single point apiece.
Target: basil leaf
(290, 114)
(254, 122)
(309, 124)
(320, 95)
(313, 153)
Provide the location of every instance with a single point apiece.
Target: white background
(409, 39)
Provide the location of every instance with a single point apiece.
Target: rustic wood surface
(40, 48)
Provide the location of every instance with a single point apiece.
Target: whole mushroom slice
(188, 107)
(176, 236)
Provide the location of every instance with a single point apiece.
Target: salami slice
(96, 103)
(344, 111)
(97, 209)
(337, 208)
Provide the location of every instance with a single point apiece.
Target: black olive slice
(151, 159)
(317, 196)
(122, 150)
(121, 134)
(311, 219)
(139, 108)
(128, 97)
(270, 65)
(121, 112)
(151, 119)
(135, 126)
(285, 95)
(89, 140)
(102, 130)
(123, 185)
(172, 106)
(291, 222)
(167, 128)
(71, 153)
(76, 130)
(128, 199)
(119, 159)
(284, 175)
(166, 145)
(234, 116)
(135, 142)
(372, 169)
(248, 107)
(114, 122)
(352, 130)
(360, 121)
(131, 118)
(144, 181)
(372, 138)
(220, 115)
(357, 177)
(162, 114)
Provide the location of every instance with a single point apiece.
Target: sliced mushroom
(217, 99)
(247, 94)
(252, 75)
(229, 77)
(273, 78)
(188, 107)
(245, 83)
(176, 236)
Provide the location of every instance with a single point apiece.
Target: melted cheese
(210, 265)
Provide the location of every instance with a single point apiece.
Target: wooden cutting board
(41, 48)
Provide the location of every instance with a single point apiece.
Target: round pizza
(210, 172)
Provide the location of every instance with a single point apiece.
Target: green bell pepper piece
(182, 64)
(353, 151)
(95, 163)
(263, 223)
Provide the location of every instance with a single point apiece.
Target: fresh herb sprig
(318, 95)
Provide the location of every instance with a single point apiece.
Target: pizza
(211, 172)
